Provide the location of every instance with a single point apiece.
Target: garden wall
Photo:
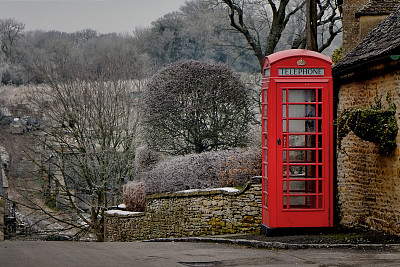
(190, 213)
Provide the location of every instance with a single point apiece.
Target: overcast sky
(104, 16)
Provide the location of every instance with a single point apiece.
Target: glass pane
(320, 202)
(319, 95)
(320, 126)
(265, 93)
(307, 95)
(297, 171)
(301, 126)
(319, 110)
(284, 122)
(302, 141)
(301, 172)
(285, 202)
(302, 187)
(320, 190)
(284, 111)
(284, 171)
(320, 173)
(319, 141)
(301, 111)
(284, 96)
(302, 202)
(311, 171)
(302, 156)
(265, 170)
(297, 155)
(284, 156)
(297, 140)
(265, 125)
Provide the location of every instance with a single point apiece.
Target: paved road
(45, 253)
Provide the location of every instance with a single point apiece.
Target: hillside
(21, 172)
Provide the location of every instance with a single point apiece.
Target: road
(143, 254)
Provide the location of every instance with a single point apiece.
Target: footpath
(303, 239)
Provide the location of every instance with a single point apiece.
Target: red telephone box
(297, 136)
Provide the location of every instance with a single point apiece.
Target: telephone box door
(302, 155)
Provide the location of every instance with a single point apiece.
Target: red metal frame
(297, 140)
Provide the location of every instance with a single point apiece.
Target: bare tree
(192, 106)
(10, 33)
(263, 23)
(88, 135)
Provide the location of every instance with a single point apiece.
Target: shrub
(146, 158)
(134, 196)
(193, 107)
(195, 171)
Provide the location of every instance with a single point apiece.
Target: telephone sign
(300, 71)
(297, 140)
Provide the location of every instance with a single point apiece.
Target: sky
(104, 16)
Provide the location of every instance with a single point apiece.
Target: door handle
(279, 141)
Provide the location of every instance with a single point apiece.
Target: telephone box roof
(281, 55)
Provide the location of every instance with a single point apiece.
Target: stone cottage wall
(369, 182)
(190, 214)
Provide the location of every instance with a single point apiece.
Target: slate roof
(378, 7)
(383, 41)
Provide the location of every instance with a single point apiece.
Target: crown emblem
(301, 62)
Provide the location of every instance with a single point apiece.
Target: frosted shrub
(209, 169)
(146, 158)
(134, 196)
(195, 171)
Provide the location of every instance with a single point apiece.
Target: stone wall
(369, 182)
(193, 213)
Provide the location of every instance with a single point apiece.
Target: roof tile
(385, 38)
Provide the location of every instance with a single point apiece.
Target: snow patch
(122, 212)
(121, 206)
(226, 189)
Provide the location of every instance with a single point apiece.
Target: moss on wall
(372, 124)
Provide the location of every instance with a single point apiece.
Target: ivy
(372, 124)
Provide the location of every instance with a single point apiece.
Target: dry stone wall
(368, 181)
(190, 214)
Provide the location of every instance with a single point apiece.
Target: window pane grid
(302, 149)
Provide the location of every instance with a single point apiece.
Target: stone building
(368, 76)
(360, 17)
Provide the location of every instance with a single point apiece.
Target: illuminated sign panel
(301, 71)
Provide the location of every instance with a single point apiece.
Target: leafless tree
(88, 138)
(264, 23)
(10, 33)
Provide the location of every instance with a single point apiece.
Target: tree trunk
(311, 26)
